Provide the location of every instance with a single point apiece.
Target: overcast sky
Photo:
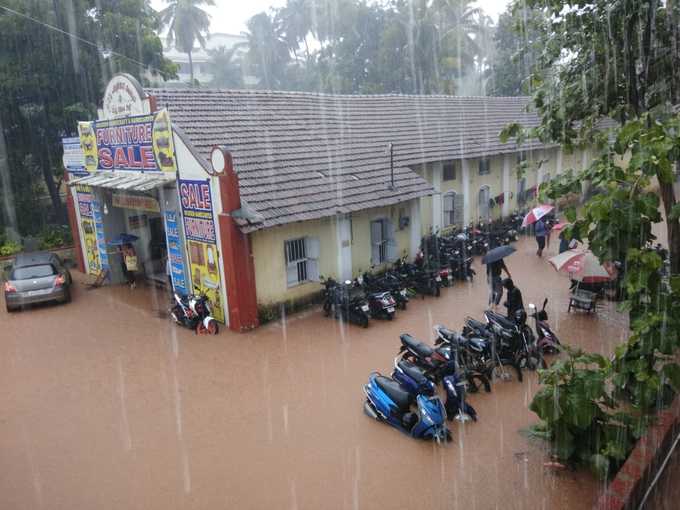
(230, 16)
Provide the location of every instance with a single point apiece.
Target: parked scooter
(387, 283)
(381, 303)
(546, 339)
(387, 401)
(456, 406)
(437, 362)
(412, 377)
(345, 301)
(194, 312)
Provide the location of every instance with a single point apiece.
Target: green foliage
(9, 248)
(595, 62)
(55, 236)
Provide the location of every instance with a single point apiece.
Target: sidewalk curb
(629, 485)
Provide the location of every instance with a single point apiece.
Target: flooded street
(107, 405)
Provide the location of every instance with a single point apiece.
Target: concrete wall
(269, 257)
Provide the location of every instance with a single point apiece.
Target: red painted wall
(237, 257)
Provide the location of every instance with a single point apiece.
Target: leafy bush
(55, 236)
(9, 248)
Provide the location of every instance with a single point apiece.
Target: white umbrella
(582, 265)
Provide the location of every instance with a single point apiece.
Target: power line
(78, 38)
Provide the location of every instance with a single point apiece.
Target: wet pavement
(106, 404)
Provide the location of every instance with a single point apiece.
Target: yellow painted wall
(269, 258)
(270, 262)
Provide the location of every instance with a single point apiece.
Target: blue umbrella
(123, 239)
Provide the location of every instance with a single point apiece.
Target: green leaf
(675, 212)
(672, 373)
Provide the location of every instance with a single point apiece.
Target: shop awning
(128, 181)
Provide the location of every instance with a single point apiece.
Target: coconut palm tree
(187, 23)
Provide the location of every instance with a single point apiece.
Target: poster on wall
(177, 272)
(85, 199)
(199, 232)
(74, 158)
(142, 143)
(99, 228)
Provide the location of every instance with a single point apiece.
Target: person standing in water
(541, 231)
(513, 300)
(493, 276)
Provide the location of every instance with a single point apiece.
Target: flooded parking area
(106, 404)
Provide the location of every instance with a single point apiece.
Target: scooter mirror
(348, 282)
(532, 306)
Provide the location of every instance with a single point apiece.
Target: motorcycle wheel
(390, 316)
(363, 322)
(213, 328)
(402, 305)
(502, 372)
(437, 291)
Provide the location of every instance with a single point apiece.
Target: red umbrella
(536, 214)
(560, 226)
(582, 265)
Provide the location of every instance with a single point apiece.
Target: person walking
(493, 276)
(566, 244)
(513, 300)
(541, 231)
(129, 264)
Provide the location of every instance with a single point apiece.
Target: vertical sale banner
(85, 200)
(199, 232)
(177, 272)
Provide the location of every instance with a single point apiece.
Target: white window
(383, 245)
(449, 206)
(484, 167)
(302, 260)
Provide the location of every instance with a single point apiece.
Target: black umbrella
(497, 254)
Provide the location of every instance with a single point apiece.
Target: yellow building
(335, 185)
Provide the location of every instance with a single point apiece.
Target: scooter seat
(419, 348)
(413, 372)
(475, 324)
(393, 389)
(504, 322)
(450, 335)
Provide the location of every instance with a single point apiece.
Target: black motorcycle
(345, 301)
(387, 282)
(517, 338)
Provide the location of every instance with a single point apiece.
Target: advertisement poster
(74, 157)
(99, 229)
(177, 273)
(199, 232)
(85, 199)
(141, 144)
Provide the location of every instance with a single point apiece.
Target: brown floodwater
(106, 404)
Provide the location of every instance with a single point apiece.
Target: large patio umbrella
(497, 254)
(536, 214)
(581, 265)
(560, 226)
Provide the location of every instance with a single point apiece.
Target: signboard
(123, 97)
(74, 157)
(177, 273)
(199, 231)
(139, 144)
(85, 198)
(99, 228)
(138, 202)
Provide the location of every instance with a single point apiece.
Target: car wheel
(10, 309)
(67, 297)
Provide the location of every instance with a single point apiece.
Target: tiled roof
(303, 156)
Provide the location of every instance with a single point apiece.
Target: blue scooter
(387, 401)
(456, 406)
(412, 378)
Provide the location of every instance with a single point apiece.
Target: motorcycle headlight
(403, 292)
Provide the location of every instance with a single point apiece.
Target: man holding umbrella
(494, 267)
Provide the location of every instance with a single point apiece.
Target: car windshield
(26, 273)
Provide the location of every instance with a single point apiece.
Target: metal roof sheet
(126, 181)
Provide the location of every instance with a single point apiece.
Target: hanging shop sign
(74, 157)
(140, 144)
(177, 272)
(138, 202)
(85, 198)
(99, 228)
(199, 231)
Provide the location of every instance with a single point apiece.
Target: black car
(37, 278)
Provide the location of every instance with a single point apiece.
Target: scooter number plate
(438, 278)
(450, 277)
(390, 309)
(364, 308)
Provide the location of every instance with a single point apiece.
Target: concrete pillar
(466, 190)
(506, 184)
(437, 170)
(343, 239)
(416, 228)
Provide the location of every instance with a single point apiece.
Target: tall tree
(187, 23)
(226, 69)
(268, 52)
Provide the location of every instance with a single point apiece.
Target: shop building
(257, 194)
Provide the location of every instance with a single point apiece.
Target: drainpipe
(391, 149)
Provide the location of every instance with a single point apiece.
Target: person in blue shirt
(541, 231)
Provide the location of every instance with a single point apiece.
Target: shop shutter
(376, 241)
(313, 251)
(391, 241)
